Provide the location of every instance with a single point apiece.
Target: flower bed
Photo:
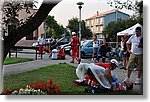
(42, 88)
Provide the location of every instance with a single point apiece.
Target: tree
(30, 25)
(114, 27)
(53, 28)
(136, 6)
(73, 25)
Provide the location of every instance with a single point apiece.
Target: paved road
(27, 66)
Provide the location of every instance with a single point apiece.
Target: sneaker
(137, 81)
(123, 68)
(135, 69)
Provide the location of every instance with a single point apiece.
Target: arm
(128, 47)
(108, 75)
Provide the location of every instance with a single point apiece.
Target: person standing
(75, 48)
(102, 50)
(108, 44)
(126, 54)
(40, 44)
(136, 55)
(121, 49)
(95, 47)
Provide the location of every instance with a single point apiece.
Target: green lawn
(62, 74)
(16, 60)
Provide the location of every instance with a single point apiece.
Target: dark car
(66, 48)
(63, 40)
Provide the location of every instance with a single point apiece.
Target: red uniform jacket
(61, 53)
(74, 41)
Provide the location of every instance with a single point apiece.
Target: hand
(125, 52)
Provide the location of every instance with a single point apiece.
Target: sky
(68, 9)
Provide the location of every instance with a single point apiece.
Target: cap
(115, 62)
(73, 33)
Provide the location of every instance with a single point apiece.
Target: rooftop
(103, 14)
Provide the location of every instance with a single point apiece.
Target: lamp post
(80, 6)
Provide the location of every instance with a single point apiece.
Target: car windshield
(87, 43)
(64, 39)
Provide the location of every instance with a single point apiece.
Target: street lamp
(80, 6)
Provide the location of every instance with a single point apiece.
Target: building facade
(38, 31)
(97, 22)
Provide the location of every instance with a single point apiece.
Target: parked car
(35, 44)
(47, 40)
(63, 40)
(87, 48)
(66, 48)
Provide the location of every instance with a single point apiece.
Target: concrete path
(28, 66)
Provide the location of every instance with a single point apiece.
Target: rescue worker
(75, 47)
(61, 53)
(41, 44)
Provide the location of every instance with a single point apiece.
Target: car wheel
(82, 54)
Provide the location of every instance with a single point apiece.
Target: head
(73, 33)
(42, 35)
(129, 85)
(107, 35)
(94, 37)
(138, 31)
(125, 35)
(114, 63)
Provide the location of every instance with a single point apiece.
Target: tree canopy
(53, 28)
(73, 25)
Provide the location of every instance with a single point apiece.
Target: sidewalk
(28, 66)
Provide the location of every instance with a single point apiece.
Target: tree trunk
(29, 27)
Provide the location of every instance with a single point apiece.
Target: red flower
(48, 90)
(30, 85)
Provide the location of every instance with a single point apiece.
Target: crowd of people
(130, 54)
(55, 52)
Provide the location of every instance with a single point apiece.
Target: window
(101, 20)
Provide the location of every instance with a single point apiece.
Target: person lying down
(96, 78)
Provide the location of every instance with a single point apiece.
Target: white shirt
(134, 41)
(95, 44)
(40, 41)
(54, 54)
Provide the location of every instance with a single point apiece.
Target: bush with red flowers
(41, 88)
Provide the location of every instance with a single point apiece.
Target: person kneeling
(61, 54)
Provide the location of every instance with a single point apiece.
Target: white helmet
(73, 33)
(115, 62)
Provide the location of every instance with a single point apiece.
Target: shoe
(135, 69)
(123, 68)
(137, 81)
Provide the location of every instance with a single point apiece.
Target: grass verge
(16, 60)
(62, 74)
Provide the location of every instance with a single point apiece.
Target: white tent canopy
(129, 31)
